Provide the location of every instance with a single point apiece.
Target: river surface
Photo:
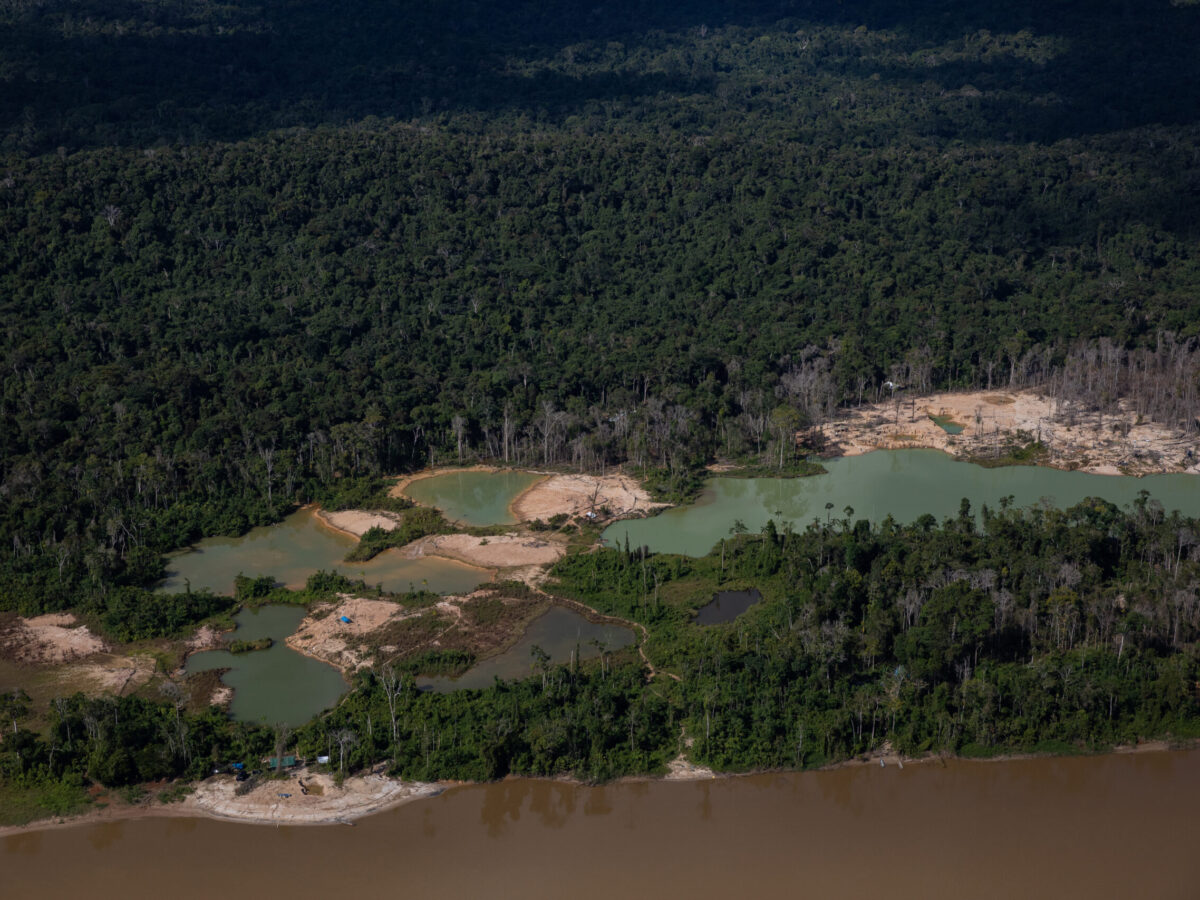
(473, 498)
(904, 483)
(277, 684)
(1105, 827)
(298, 547)
(559, 632)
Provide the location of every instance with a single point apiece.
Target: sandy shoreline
(215, 798)
(356, 522)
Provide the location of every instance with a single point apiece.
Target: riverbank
(272, 802)
(360, 796)
(990, 423)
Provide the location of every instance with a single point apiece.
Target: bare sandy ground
(266, 805)
(1102, 444)
(357, 522)
(109, 674)
(222, 696)
(576, 495)
(323, 635)
(497, 551)
(518, 557)
(680, 769)
(216, 798)
(49, 640)
(205, 638)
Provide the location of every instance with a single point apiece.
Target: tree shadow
(126, 73)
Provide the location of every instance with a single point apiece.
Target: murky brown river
(1117, 826)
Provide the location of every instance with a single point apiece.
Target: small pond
(726, 606)
(558, 631)
(299, 546)
(473, 498)
(903, 483)
(947, 424)
(277, 685)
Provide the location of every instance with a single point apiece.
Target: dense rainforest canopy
(255, 254)
(245, 248)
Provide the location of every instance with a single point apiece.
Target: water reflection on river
(1117, 826)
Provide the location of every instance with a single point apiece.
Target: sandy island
(576, 495)
(1105, 444)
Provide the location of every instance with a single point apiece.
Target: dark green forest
(250, 249)
(1036, 630)
(259, 254)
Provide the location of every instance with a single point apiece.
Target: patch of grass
(133, 794)
(263, 643)
(21, 804)
(176, 792)
(1030, 454)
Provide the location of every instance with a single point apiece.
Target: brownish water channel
(1116, 826)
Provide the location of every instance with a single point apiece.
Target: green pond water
(473, 498)
(904, 483)
(274, 685)
(558, 631)
(299, 546)
(947, 424)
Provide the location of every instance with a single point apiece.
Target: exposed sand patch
(322, 633)
(497, 551)
(222, 696)
(205, 638)
(112, 674)
(680, 769)
(357, 522)
(576, 495)
(48, 640)
(325, 802)
(1107, 444)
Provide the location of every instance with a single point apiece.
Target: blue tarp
(345, 619)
